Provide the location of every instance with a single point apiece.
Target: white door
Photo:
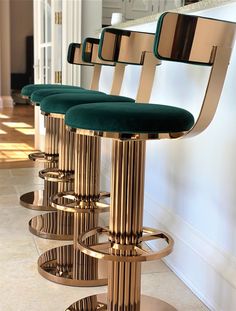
(56, 24)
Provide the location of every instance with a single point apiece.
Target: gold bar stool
(182, 38)
(87, 200)
(39, 199)
(58, 225)
(66, 265)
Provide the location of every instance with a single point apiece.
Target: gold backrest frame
(198, 40)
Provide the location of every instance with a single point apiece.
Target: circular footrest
(71, 202)
(43, 157)
(56, 175)
(141, 251)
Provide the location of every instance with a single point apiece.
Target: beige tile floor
(22, 288)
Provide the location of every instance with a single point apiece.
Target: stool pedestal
(125, 249)
(67, 265)
(39, 199)
(58, 225)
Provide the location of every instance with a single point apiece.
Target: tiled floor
(16, 136)
(22, 288)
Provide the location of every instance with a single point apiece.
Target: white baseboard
(208, 271)
(6, 101)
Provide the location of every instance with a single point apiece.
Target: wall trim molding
(6, 101)
(214, 260)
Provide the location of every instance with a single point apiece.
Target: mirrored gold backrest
(190, 39)
(90, 52)
(74, 55)
(125, 46)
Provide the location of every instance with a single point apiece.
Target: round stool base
(34, 200)
(147, 303)
(48, 267)
(52, 226)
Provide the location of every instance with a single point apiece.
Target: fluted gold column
(67, 265)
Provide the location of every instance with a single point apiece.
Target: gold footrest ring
(60, 265)
(35, 200)
(56, 175)
(53, 226)
(99, 303)
(142, 253)
(71, 202)
(43, 157)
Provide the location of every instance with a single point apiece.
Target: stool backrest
(198, 40)
(124, 46)
(90, 52)
(74, 55)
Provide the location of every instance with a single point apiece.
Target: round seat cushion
(39, 95)
(125, 118)
(62, 102)
(27, 90)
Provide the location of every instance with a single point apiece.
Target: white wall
(21, 13)
(91, 23)
(190, 184)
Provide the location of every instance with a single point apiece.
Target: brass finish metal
(56, 175)
(117, 79)
(39, 199)
(71, 202)
(58, 18)
(42, 157)
(99, 303)
(67, 265)
(58, 225)
(126, 46)
(142, 253)
(125, 233)
(65, 170)
(96, 76)
(53, 226)
(184, 38)
(58, 76)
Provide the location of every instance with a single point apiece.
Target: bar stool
(179, 38)
(66, 265)
(38, 200)
(58, 225)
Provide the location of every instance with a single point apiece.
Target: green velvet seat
(126, 118)
(27, 90)
(62, 102)
(39, 95)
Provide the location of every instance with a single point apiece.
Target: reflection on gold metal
(65, 170)
(99, 303)
(39, 199)
(72, 202)
(184, 38)
(53, 226)
(67, 265)
(126, 46)
(42, 157)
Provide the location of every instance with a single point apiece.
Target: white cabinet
(138, 8)
(109, 7)
(133, 9)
